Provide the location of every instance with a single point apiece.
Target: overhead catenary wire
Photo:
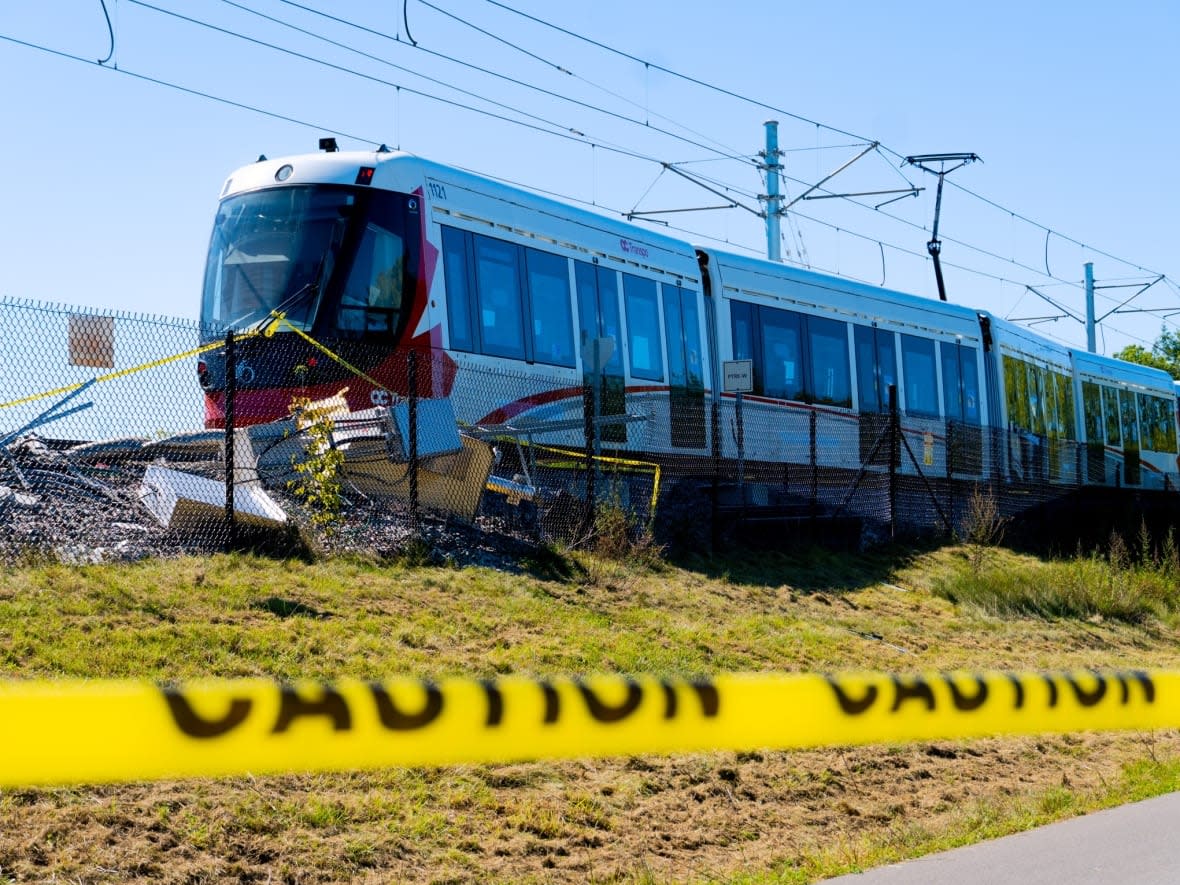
(648, 65)
(548, 130)
(798, 117)
(726, 154)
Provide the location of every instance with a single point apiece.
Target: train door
(876, 372)
(1130, 422)
(1092, 424)
(686, 377)
(598, 317)
(961, 407)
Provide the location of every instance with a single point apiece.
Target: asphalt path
(1136, 844)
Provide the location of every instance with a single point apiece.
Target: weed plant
(1124, 583)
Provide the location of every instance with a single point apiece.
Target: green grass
(1084, 588)
(899, 610)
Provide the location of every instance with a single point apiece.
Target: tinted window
(828, 341)
(643, 328)
(1110, 410)
(598, 309)
(459, 306)
(742, 323)
(1092, 409)
(960, 383)
(694, 364)
(781, 354)
(917, 359)
(372, 297)
(549, 300)
(497, 276)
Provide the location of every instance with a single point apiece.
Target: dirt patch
(639, 819)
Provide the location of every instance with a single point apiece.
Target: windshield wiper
(312, 287)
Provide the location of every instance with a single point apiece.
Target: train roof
(1110, 369)
(741, 273)
(408, 173)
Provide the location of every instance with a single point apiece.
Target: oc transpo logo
(630, 248)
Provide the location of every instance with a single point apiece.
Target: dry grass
(725, 818)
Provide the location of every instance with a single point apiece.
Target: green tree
(1164, 354)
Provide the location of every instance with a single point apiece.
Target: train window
(549, 300)
(1110, 408)
(598, 309)
(501, 320)
(1067, 422)
(460, 305)
(960, 383)
(1036, 399)
(372, 297)
(921, 385)
(674, 323)
(1092, 411)
(876, 367)
(1167, 418)
(1130, 437)
(686, 393)
(781, 354)
(1155, 417)
(1016, 388)
(742, 323)
(643, 328)
(830, 378)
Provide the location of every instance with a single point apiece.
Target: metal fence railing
(124, 436)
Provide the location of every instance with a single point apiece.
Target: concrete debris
(11, 498)
(187, 502)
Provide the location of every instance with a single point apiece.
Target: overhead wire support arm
(1119, 309)
(922, 161)
(904, 191)
(803, 196)
(737, 204)
(1065, 311)
(641, 214)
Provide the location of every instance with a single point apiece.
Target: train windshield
(328, 257)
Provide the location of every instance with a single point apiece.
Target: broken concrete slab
(187, 502)
(12, 498)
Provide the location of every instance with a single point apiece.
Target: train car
(828, 350)
(1127, 420)
(504, 294)
(384, 252)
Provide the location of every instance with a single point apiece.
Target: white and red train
(378, 253)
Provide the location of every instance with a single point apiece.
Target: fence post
(950, 472)
(412, 383)
(231, 384)
(814, 441)
(894, 453)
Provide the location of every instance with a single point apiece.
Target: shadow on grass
(287, 608)
(807, 570)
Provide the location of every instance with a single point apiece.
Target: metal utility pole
(934, 247)
(1091, 343)
(773, 213)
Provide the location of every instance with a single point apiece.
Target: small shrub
(616, 534)
(983, 527)
(318, 475)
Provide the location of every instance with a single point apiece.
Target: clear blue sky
(113, 180)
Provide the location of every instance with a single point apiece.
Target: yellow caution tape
(101, 731)
(278, 319)
(110, 376)
(579, 461)
(281, 320)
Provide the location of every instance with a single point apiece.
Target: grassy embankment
(746, 818)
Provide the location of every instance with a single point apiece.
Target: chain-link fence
(123, 436)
